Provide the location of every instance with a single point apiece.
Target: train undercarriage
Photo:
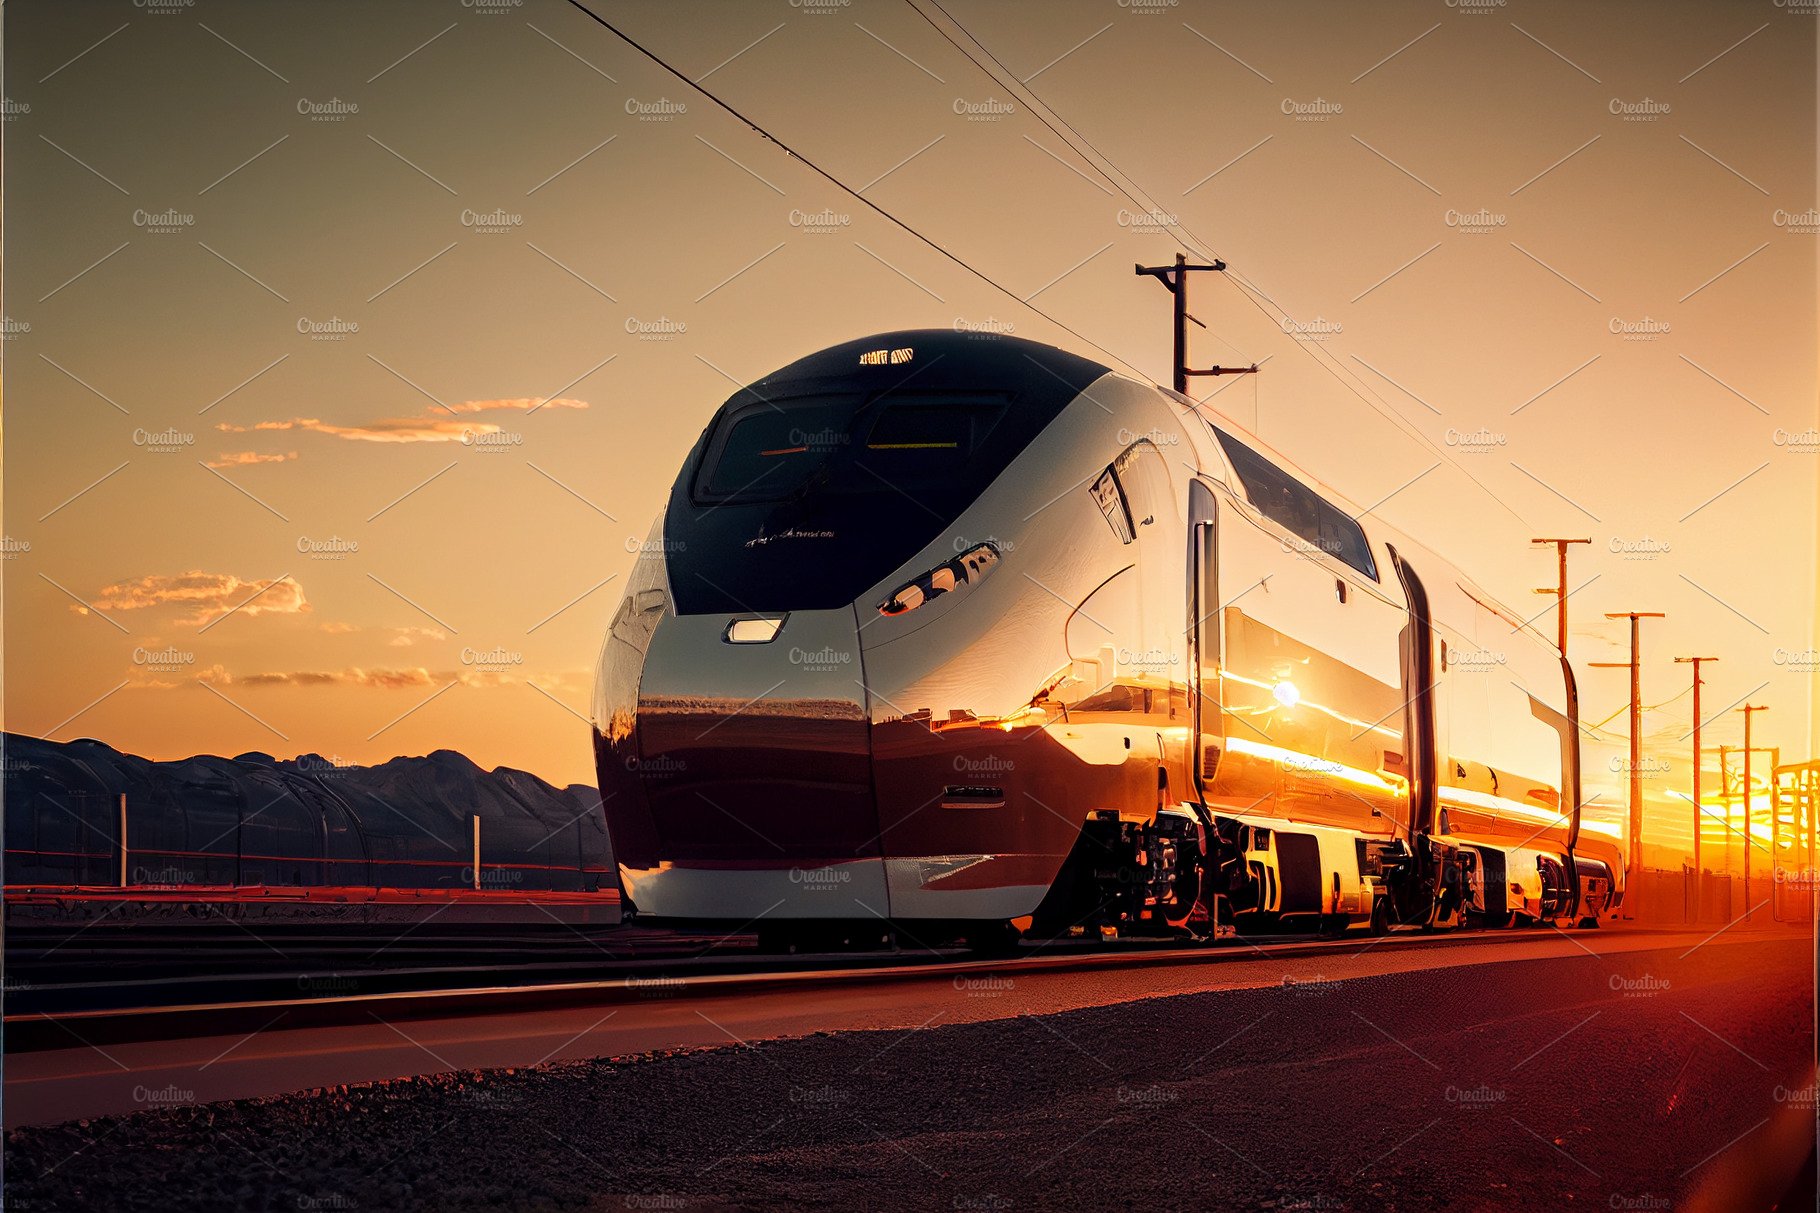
(1197, 877)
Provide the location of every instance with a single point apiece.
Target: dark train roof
(940, 358)
(796, 498)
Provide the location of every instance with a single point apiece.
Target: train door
(1128, 627)
(1153, 655)
(1150, 660)
(1206, 729)
(1125, 642)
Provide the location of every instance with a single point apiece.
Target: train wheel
(1334, 925)
(775, 940)
(1380, 916)
(993, 939)
(1589, 923)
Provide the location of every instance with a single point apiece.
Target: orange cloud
(217, 675)
(384, 679)
(203, 596)
(434, 426)
(234, 459)
(406, 637)
(523, 404)
(579, 680)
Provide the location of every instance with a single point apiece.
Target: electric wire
(1133, 191)
(1248, 290)
(1184, 236)
(1648, 707)
(791, 152)
(1192, 242)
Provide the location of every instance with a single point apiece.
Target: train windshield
(777, 450)
(819, 481)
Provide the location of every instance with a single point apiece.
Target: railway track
(101, 1013)
(134, 952)
(105, 967)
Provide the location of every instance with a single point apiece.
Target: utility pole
(1175, 277)
(1560, 592)
(1699, 819)
(1635, 665)
(1747, 709)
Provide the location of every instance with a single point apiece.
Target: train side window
(1343, 539)
(1297, 508)
(1109, 495)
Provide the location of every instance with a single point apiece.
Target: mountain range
(255, 819)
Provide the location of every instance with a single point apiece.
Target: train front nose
(754, 755)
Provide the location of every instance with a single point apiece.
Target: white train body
(945, 629)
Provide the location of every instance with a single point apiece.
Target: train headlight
(762, 630)
(964, 570)
(1285, 693)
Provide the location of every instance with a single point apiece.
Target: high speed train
(953, 636)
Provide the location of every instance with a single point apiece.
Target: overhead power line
(1124, 183)
(765, 134)
(1186, 237)
(1250, 291)
(1132, 192)
(1043, 112)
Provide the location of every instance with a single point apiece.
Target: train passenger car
(964, 636)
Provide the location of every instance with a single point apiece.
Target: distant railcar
(966, 636)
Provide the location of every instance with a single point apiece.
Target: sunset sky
(419, 306)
